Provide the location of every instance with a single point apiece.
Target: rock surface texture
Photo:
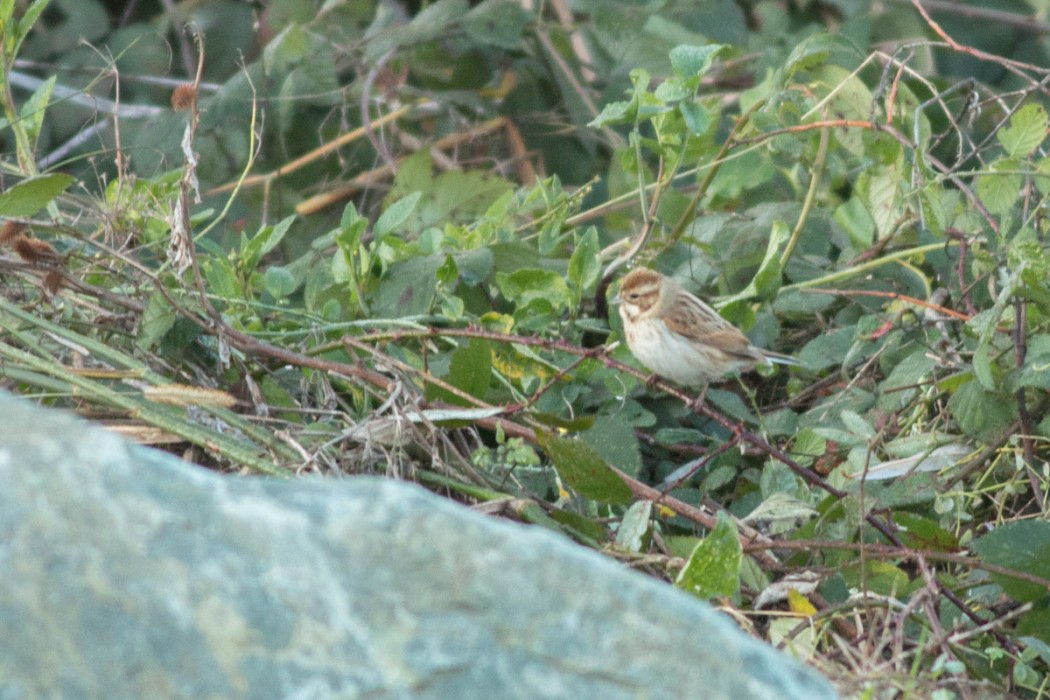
(129, 574)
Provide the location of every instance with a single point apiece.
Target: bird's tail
(778, 359)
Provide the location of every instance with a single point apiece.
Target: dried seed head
(11, 230)
(33, 250)
(184, 97)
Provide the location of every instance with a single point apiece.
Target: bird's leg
(696, 403)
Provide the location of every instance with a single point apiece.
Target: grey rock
(129, 574)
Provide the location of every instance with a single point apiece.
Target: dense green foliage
(409, 226)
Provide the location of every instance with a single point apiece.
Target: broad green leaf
(524, 286)
(222, 278)
(827, 349)
(157, 319)
(918, 532)
(879, 188)
(767, 279)
(408, 288)
(433, 21)
(585, 263)
(809, 445)
(470, 370)
(395, 214)
(1026, 131)
(349, 217)
(982, 365)
(1023, 545)
(694, 61)
(615, 113)
(33, 194)
(713, 568)
(279, 281)
(451, 197)
(497, 22)
(348, 236)
(33, 110)
(263, 242)
(583, 470)
(614, 439)
(697, 117)
(879, 577)
(634, 526)
(1042, 180)
(1000, 188)
(1026, 249)
(902, 385)
(673, 90)
(778, 478)
(1037, 647)
(784, 632)
(448, 272)
(810, 53)
(856, 424)
(854, 218)
(1036, 371)
(851, 98)
(931, 199)
(25, 23)
(780, 513)
(985, 415)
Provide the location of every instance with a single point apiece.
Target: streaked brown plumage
(678, 336)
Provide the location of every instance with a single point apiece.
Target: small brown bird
(678, 336)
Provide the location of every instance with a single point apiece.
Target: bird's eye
(632, 296)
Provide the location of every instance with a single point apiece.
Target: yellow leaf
(800, 605)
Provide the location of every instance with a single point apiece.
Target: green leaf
(470, 370)
(1026, 131)
(33, 194)
(349, 234)
(983, 414)
(408, 288)
(713, 568)
(613, 438)
(222, 278)
(879, 188)
(396, 214)
(448, 272)
(694, 61)
(698, 119)
(634, 526)
(1024, 546)
(1000, 188)
(525, 286)
(279, 281)
(33, 110)
(810, 53)
(583, 470)
(454, 196)
(615, 113)
(854, 218)
(767, 279)
(982, 365)
(497, 22)
(263, 242)
(925, 534)
(585, 264)
(433, 21)
(157, 319)
(827, 349)
(28, 19)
